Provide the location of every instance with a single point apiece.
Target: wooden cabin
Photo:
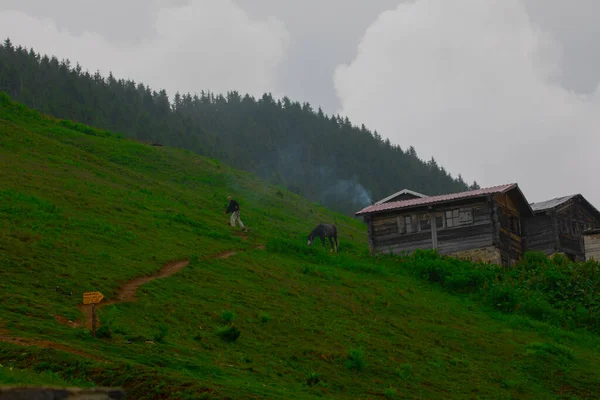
(404, 194)
(591, 241)
(558, 225)
(483, 224)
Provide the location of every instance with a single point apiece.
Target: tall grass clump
(356, 360)
(227, 316)
(228, 333)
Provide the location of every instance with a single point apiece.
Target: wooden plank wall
(511, 242)
(592, 247)
(540, 234)
(511, 246)
(409, 243)
(475, 236)
(479, 234)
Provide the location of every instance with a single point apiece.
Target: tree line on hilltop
(321, 157)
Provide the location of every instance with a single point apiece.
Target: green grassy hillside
(256, 315)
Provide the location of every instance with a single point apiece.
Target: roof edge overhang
(566, 204)
(401, 192)
(525, 210)
(589, 205)
(428, 206)
(528, 208)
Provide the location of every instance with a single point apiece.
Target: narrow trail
(44, 344)
(128, 291)
(125, 294)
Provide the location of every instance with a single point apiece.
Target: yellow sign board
(92, 297)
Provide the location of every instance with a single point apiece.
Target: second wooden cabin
(483, 224)
(559, 224)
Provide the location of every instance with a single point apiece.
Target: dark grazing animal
(325, 231)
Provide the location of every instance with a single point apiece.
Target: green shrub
(227, 316)
(503, 297)
(312, 379)
(228, 333)
(161, 335)
(355, 360)
(405, 371)
(538, 308)
(264, 317)
(104, 332)
(554, 290)
(83, 334)
(547, 350)
(391, 393)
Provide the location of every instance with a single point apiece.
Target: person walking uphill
(234, 209)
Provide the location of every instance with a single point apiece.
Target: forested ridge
(321, 157)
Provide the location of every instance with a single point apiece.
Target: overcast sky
(498, 90)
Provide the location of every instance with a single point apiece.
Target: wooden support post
(370, 234)
(434, 241)
(94, 320)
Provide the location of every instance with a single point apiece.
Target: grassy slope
(85, 210)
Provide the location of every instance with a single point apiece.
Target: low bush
(312, 379)
(356, 360)
(162, 333)
(228, 333)
(227, 316)
(549, 289)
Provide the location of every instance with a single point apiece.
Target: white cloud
(204, 45)
(474, 84)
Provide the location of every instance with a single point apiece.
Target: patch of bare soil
(226, 254)
(47, 345)
(66, 321)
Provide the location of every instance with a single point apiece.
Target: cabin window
(408, 226)
(465, 217)
(450, 218)
(459, 217)
(425, 222)
(564, 227)
(439, 220)
(400, 223)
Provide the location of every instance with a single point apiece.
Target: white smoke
(353, 190)
(342, 190)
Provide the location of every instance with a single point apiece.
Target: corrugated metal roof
(549, 204)
(397, 205)
(403, 191)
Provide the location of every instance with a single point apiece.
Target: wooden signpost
(93, 298)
